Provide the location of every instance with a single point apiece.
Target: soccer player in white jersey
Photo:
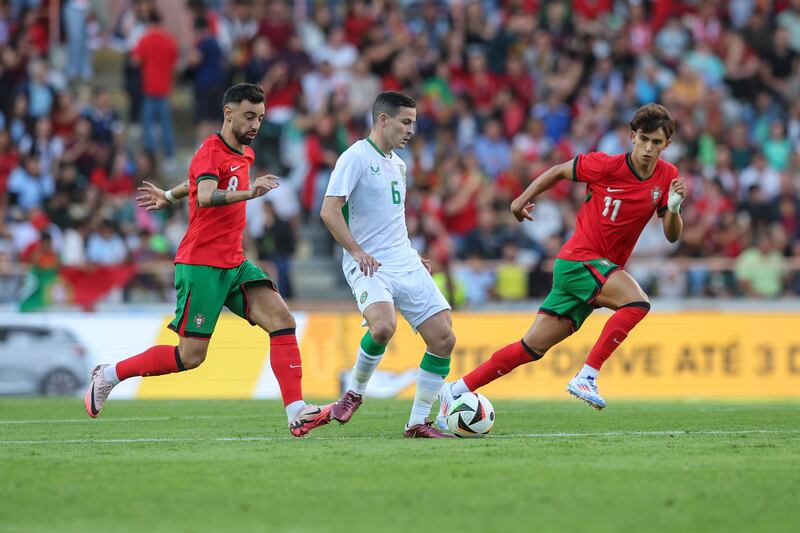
(364, 209)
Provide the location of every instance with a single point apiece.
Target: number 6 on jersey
(395, 194)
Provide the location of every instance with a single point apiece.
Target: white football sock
(588, 372)
(110, 373)
(459, 387)
(294, 408)
(365, 367)
(428, 387)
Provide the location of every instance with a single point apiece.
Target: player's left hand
(426, 263)
(677, 192)
(522, 210)
(151, 198)
(263, 184)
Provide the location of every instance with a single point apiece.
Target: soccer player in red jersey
(623, 191)
(211, 269)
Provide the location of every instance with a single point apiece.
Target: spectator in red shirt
(157, 53)
(9, 158)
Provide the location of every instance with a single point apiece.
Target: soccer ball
(470, 415)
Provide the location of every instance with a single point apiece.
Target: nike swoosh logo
(614, 190)
(615, 340)
(234, 169)
(295, 366)
(94, 409)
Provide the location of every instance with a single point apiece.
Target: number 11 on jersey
(609, 202)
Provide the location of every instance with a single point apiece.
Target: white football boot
(445, 400)
(585, 388)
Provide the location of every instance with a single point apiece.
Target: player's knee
(382, 332)
(536, 348)
(193, 357)
(446, 343)
(283, 320)
(643, 305)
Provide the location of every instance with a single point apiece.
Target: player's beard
(242, 137)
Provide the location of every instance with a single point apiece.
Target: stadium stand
(504, 90)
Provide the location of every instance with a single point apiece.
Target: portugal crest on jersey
(655, 194)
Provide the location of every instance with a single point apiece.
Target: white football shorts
(413, 293)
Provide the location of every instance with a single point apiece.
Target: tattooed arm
(209, 196)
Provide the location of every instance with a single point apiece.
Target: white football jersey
(374, 187)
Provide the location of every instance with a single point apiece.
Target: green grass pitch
(177, 466)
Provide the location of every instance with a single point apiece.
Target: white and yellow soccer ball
(470, 415)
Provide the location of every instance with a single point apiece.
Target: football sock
(499, 364)
(110, 373)
(284, 358)
(615, 331)
(430, 378)
(293, 409)
(370, 354)
(155, 361)
(588, 372)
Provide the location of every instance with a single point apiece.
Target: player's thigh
(437, 332)
(381, 319)
(375, 301)
(619, 289)
(254, 296)
(418, 298)
(560, 315)
(201, 292)
(547, 331)
(582, 279)
(267, 309)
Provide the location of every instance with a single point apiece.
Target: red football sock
(615, 331)
(284, 357)
(155, 361)
(500, 363)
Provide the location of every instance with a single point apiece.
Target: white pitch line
(681, 432)
(558, 435)
(87, 420)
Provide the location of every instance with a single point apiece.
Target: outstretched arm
(332, 216)
(152, 198)
(209, 196)
(522, 206)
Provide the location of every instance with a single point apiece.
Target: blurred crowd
(504, 90)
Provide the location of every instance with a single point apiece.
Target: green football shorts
(575, 286)
(203, 290)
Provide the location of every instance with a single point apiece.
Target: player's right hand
(368, 264)
(522, 210)
(151, 198)
(263, 184)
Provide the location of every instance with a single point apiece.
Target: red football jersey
(618, 205)
(214, 236)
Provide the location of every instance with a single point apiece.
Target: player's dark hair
(390, 103)
(651, 117)
(244, 91)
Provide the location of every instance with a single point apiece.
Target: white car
(41, 360)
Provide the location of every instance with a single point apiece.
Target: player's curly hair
(651, 117)
(244, 91)
(390, 103)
